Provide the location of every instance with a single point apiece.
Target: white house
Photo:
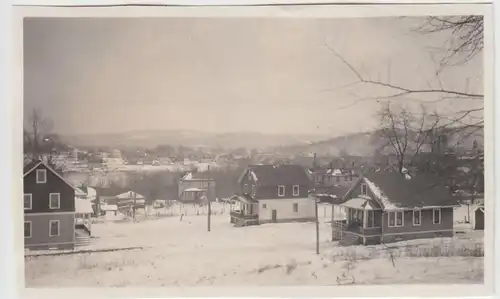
(270, 193)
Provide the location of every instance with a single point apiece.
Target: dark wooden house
(387, 207)
(49, 208)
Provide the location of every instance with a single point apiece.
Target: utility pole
(133, 207)
(317, 223)
(209, 212)
(315, 205)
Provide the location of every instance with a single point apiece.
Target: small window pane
(41, 175)
(54, 201)
(399, 218)
(27, 201)
(295, 207)
(416, 217)
(27, 229)
(391, 218)
(363, 190)
(437, 216)
(54, 228)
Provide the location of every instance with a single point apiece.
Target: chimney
(314, 162)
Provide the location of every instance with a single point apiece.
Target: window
(27, 229)
(295, 207)
(436, 216)
(41, 176)
(338, 179)
(254, 190)
(281, 190)
(54, 228)
(296, 190)
(28, 201)
(370, 221)
(54, 200)
(364, 189)
(245, 189)
(264, 206)
(417, 217)
(396, 219)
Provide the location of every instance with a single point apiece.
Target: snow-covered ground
(183, 253)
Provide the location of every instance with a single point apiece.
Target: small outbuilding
(479, 218)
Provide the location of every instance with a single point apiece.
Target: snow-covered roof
(394, 191)
(79, 192)
(129, 194)
(83, 206)
(91, 192)
(193, 190)
(109, 207)
(359, 203)
(326, 195)
(379, 195)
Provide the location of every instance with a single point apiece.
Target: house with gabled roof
(194, 186)
(388, 206)
(49, 208)
(273, 193)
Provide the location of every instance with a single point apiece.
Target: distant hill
(357, 144)
(367, 143)
(191, 139)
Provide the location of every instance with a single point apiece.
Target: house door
(274, 216)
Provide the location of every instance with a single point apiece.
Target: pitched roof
(34, 165)
(243, 198)
(129, 195)
(198, 175)
(271, 175)
(31, 165)
(422, 190)
(360, 203)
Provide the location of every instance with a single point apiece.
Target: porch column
(364, 218)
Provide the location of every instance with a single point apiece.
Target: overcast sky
(225, 75)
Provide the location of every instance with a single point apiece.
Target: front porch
(83, 214)
(244, 210)
(363, 223)
(195, 195)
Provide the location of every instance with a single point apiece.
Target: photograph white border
(13, 125)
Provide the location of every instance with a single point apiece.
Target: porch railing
(241, 215)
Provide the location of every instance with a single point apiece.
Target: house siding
(284, 209)
(40, 231)
(271, 192)
(427, 229)
(40, 193)
(427, 222)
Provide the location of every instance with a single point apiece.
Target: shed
(479, 218)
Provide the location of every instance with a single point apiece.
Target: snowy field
(184, 253)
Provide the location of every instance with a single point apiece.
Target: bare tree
(465, 41)
(404, 133)
(466, 37)
(39, 141)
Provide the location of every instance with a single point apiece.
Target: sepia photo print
(202, 150)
